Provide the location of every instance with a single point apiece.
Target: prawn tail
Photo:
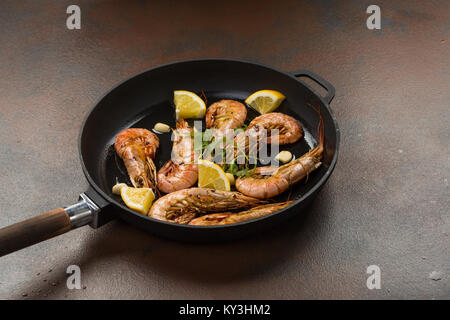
(151, 174)
(182, 124)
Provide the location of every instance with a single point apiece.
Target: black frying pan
(145, 99)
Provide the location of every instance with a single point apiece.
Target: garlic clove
(161, 127)
(230, 178)
(284, 156)
(118, 187)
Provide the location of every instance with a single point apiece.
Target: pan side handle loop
(46, 226)
(319, 80)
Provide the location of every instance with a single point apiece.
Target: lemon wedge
(265, 101)
(139, 199)
(210, 175)
(188, 105)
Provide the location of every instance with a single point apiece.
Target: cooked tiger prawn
(180, 172)
(228, 217)
(268, 182)
(261, 130)
(225, 115)
(184, 205)
(137, 148)
(289, 129)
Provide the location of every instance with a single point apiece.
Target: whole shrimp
(184, 205)
(228, 217)
(261, 130)
(137, 148)
(225, 115)
(180, 172)
(289, 129)
(268, 182)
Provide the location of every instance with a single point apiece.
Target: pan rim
(112, 201)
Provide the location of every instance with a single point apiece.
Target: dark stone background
(387, 202)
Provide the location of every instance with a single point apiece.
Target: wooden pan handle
(34, 230)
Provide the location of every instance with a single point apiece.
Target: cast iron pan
(145, 99)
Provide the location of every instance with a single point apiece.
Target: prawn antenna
(320, 130)
(306, 170)
(204, 97)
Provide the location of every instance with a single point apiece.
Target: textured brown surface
(386, 203)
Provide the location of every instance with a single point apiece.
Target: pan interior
(146, 99)
(114, 170)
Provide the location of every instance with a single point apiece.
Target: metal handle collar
(82, 212)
